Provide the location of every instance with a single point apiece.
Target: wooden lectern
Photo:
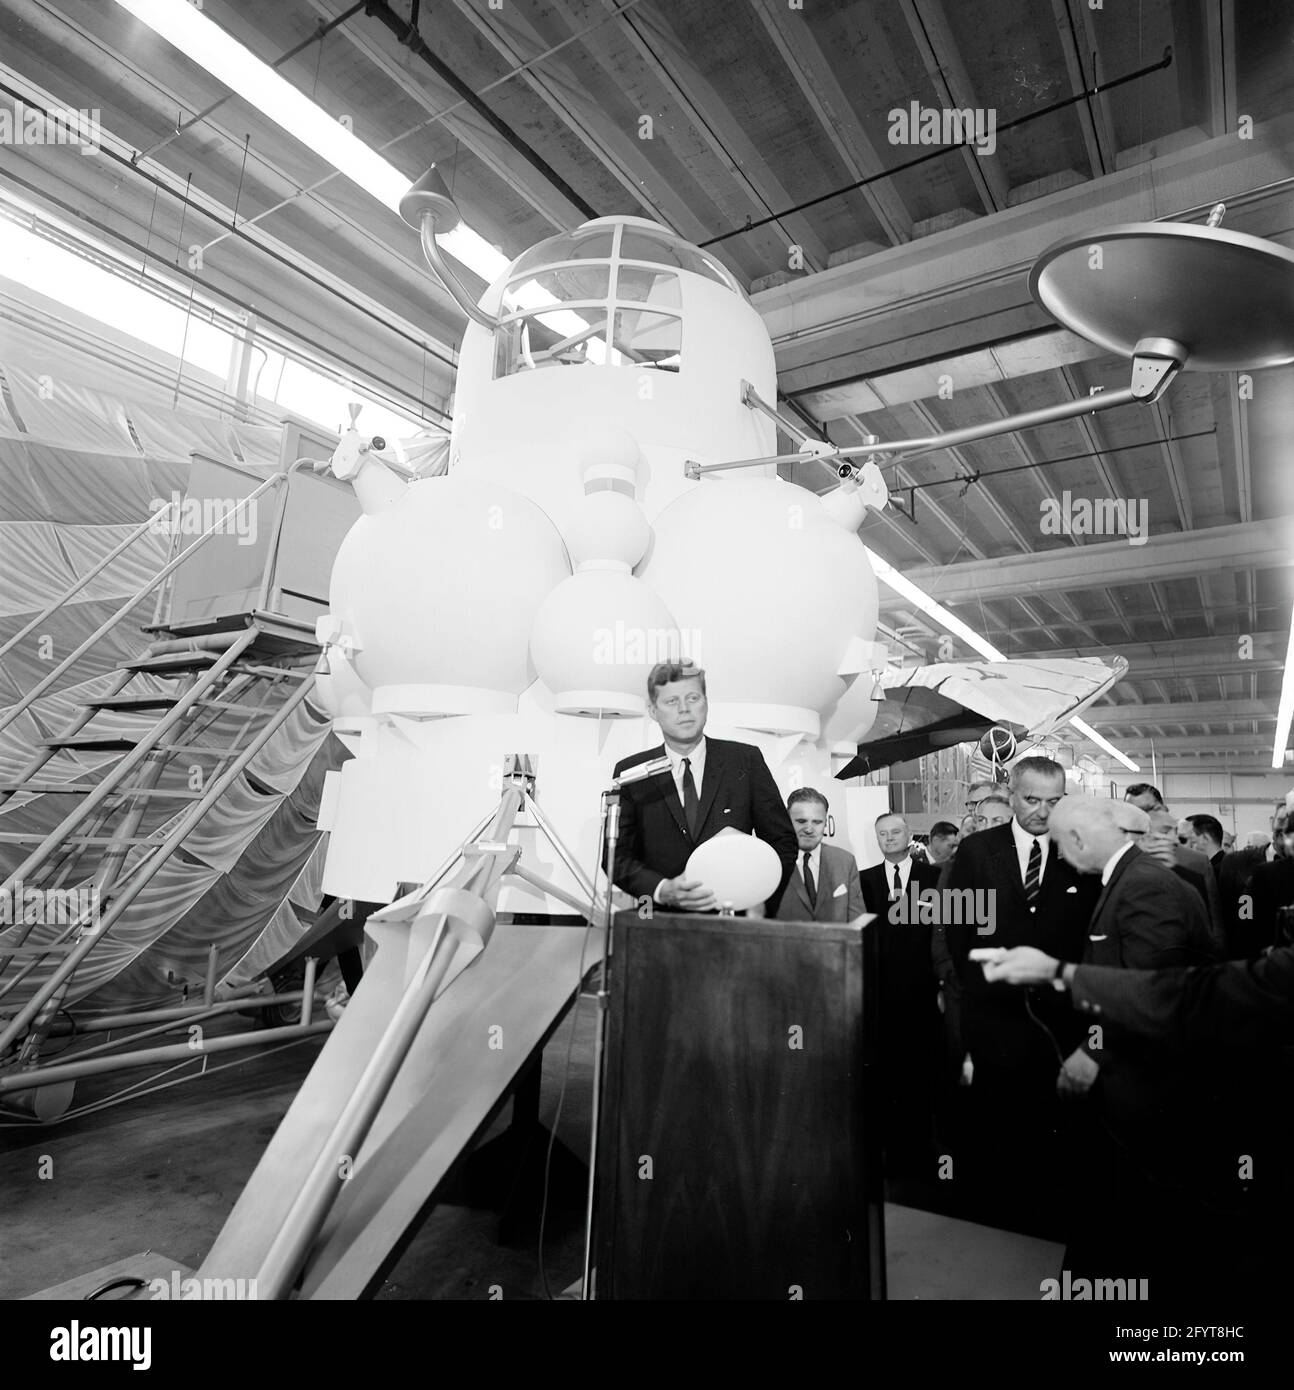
(738, 1155)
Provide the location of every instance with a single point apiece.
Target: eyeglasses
(973, 805)
(674, 703)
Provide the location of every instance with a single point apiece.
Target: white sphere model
(438, 595)
(607, 530)
(772, 591)
(739, 870)
(596, 637)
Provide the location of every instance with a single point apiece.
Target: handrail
(41, 687)
(80, 584)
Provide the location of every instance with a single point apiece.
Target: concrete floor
(162, 1172)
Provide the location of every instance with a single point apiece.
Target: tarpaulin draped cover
(74, 480)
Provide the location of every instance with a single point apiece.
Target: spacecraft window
(559, 338)
(592, 245)
(643, 339)
(659, 249)
(557, 287)
(646, 284)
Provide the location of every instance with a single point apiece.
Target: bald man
(1148, 1103)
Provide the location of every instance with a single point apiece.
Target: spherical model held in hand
(739, 870)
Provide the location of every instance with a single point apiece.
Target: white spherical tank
(438, 595)
(772, 590)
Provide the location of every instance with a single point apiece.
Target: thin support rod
(167, 848)
(41, 687)
(930, 444)
(562, 852)
(78, 585)
(611, 832)
(752, 398)
(175, 1052)
(586, 910)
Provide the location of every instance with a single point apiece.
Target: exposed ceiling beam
(1253, 545)
(966, 287)
(420, 84)
(1078, 83)
(818, 85)
(561, 91)
(1217, 744)
(1194, 712)
(935, 43)
(1220, 35)
(695, 99)
(1184, 658)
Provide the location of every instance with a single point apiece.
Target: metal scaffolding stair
(169, 733)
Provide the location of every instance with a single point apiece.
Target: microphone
(641, 771)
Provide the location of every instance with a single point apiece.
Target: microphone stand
(611, 834)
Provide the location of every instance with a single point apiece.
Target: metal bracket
(908, 513)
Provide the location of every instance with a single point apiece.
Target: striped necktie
(1033, 874)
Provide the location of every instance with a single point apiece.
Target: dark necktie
(898, 885)
(690, 805)
(1033, 874)
(810, 887)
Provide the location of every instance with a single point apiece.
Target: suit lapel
(716, 764)
(1125, 859)
(669, 792)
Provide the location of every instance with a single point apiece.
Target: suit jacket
(1145, 919)
(996, 1022)
(1195, 869)
(1270, 888)
(839, 896)
(1235, 875)
(737, 791)
(1240, 1002)
(908, 1010)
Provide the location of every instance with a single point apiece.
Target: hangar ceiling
(892, 273)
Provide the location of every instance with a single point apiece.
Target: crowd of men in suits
(1156, 1148)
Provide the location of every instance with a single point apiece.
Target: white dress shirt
(815, 864)
(1112, 861)
(697, 757)
(1024, 847)
(904, 867)
(697, 764)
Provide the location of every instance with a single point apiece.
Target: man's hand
(1159, 847)
(1021, 965)
(967, 1077)
(687, 893)
(1077, 1074)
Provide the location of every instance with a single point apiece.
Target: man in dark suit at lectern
(825, 885)
(710, 785)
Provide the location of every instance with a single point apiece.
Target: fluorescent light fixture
(1104, 744)
(905, 588)
(1285, 710)
(188, 29)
